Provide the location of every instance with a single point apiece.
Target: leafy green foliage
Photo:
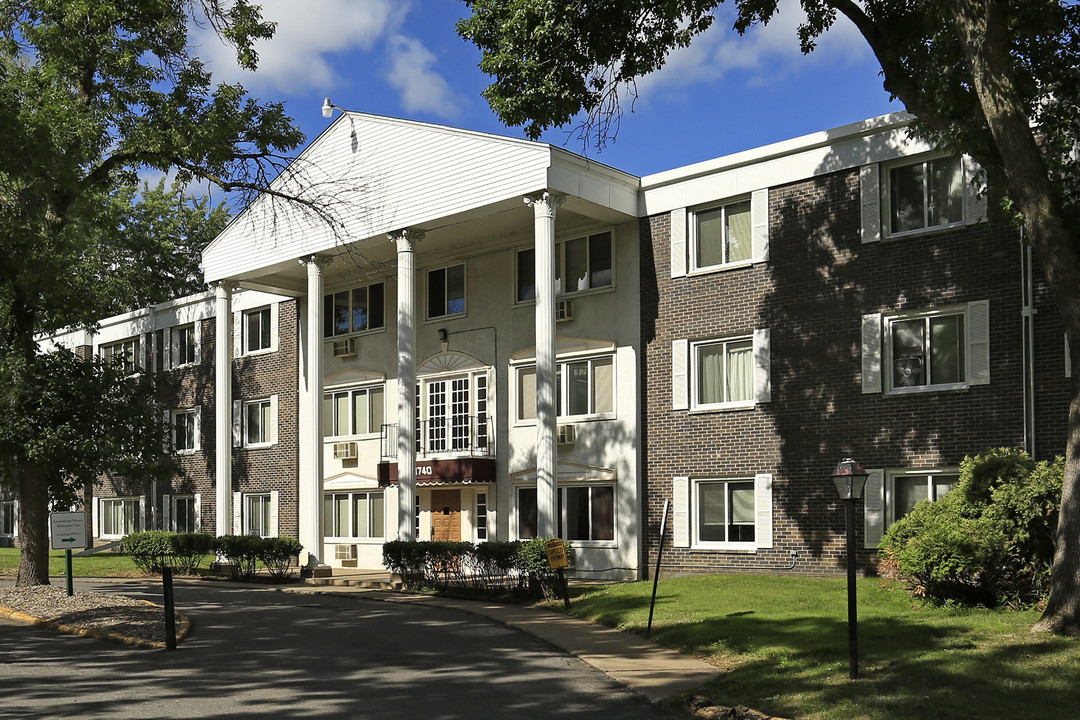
(243, 553)
(989, 540)
(279, 555)
(154, 549)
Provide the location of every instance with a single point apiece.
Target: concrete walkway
(640, 664)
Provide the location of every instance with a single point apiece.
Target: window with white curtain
(723, 372)
(582, 387)
(722, 235)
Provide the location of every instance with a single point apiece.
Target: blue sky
(403, 58)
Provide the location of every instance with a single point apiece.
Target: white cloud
(308, 33)
(411, 72)
(763, 55)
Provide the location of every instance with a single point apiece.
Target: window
(906, 488)
(583, 513)
(352, 311)
(257, 422)
(722, 236)
(354, 515)
(925, 351)
(446, 291)
(925, 194)
(452, 414)
(124, 354)
(586, 260)
(353, 412)
(723, 511)
(257, 330)
(257, 515)
(121, 516)
(723, 372)
(185, 430)
(185, 514)
(481, 517)
(183, 346)
(582, 387)
(8, 519)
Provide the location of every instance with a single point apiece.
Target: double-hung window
(907, 488)
(257, 519)
(8, 518)
(185, 430)
(353, 412)
(723, 372)
(925, 194)
(354, 515)
(183, 346)
(584, 513)
(446, 291)
(723, 512)
(354, 311)
(581, 264)
(722, 236)
(120, 516)
(185, 514)
(257, 422)
(582, 388)
(124, 354)
(257, 330)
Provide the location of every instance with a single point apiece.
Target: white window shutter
(273, 529)
(871, 353)
(142, 514)
(166, 513)
(197, 335)
(680, 513)
(237, 423)
(390, 509)
(172, 348)
(197, 439)
(759, 220)
(874, 508)
(763, 510)
(273, 419)
(238, 334)
(974, 191)
(95, 513)
(680, 357)
(1068, 358)
(274, 326)
(678, 242)
(762, 366)
(15, 530)
(198, 512)
(870, 201)
(237, 514)
(978, 324)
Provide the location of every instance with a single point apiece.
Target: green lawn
(104, 564)
(783, 644)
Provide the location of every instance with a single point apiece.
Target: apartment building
(470, 337)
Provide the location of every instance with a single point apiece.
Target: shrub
(406, 559)
(188, 551)
(279, 556)
(989, 540)
(241, 552)
(533, 563)
(147, 549)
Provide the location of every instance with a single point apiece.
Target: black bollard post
(170, 616)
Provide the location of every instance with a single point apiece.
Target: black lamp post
(850, 479)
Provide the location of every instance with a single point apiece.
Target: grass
(103, 564)
(782, 642)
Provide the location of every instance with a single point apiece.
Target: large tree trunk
(33, 528)
(982, 29)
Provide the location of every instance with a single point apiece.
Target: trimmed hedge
(244, 552)
(154, 550)
(490, 568)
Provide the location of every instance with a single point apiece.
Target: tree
(994, 79)
(92, 93)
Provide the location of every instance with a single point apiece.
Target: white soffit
(377, 175)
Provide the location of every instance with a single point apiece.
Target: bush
(279, 556)
(155, 549)
(532, 562)
(241, 552)
(989, 540)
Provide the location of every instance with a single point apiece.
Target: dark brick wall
(812, 293)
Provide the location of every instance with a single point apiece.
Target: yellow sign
(556, 554)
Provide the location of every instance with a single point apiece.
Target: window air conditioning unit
(564, 310)
(565, 434)
(345, 348)
(345, 451)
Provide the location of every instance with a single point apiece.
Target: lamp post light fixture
(328, 109)
(850, 479)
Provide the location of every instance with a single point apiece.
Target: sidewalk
(645, 667)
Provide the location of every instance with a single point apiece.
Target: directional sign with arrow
(68, 530)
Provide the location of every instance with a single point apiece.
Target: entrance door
(446, 515)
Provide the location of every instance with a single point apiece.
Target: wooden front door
(446, 515)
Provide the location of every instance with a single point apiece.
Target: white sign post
(68, 530)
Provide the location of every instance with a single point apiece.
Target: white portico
(415, 420)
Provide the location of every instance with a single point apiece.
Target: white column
(406, 373)
(546, 499)
(223, 407)
(310, 501)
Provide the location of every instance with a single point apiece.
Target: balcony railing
(458, 435)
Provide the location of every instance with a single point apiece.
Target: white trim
(167, 514)
(198, 512)
(759, 219)
(763, 515)
(680, 517)
(871, 353)
(680, 374)
(874, 508)
(678, 222)
(870, 203)
(237, 514)
(977, 325)
(762, 366)
(273, 529)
